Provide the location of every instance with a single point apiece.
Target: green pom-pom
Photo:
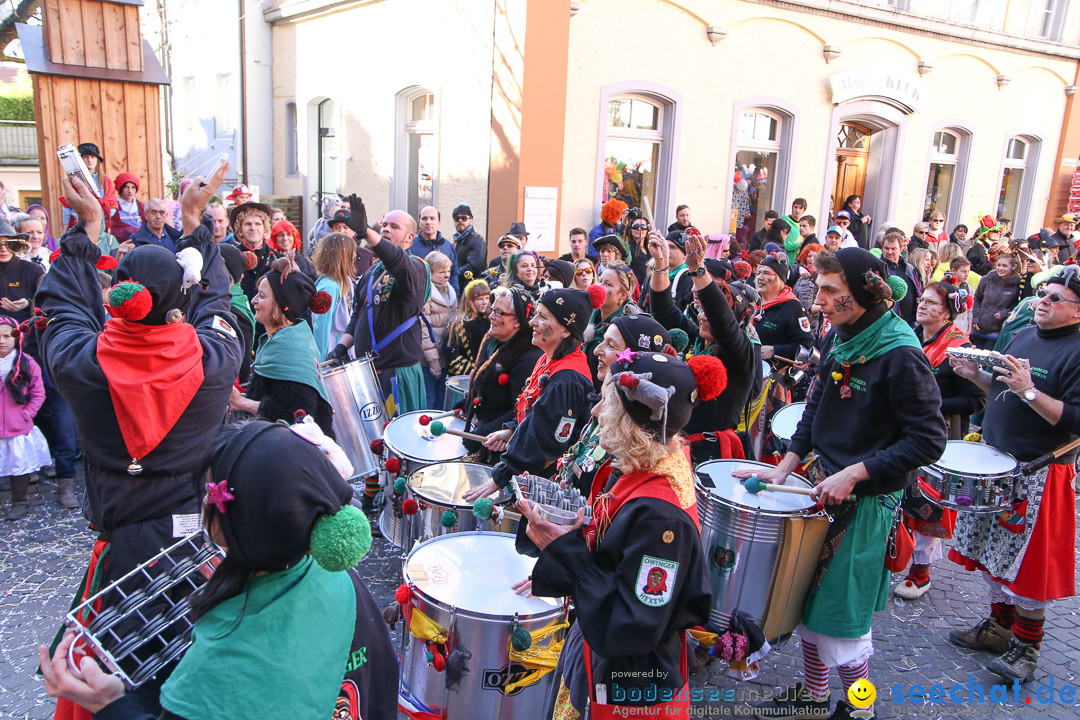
(437, 428)
(399, 486)
(122, 292)
(483, 508)
(679, 339)
(340, 541)
(430, 656)
(449, 519)
(899, 287)
(520, 639)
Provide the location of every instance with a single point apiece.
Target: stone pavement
(43, 556)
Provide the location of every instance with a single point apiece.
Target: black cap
(859, 265)
(720, 268)
(642, 332)
(340, 216)
(778, 263)
(90, 149)
(462, 209)
(678, 237)
(517, 229)
(616, 242)
(234, 260)
(659, 391)
(293, 293)
(572, 307)
(1069, 277)
(563, 270)
(156, 269)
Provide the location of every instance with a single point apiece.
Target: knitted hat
(616, 242)
(523, 305)
(678, 238)
(276, 495)
(462, 209)
(149, 283)
(562, 270)
(572, 307)
(642, 333)
(778, 263)
(659, 391)
(860, 270)
(234, 260)
(720, 268)
(295, 292)
(1069, 277)
(123, 179)
(90, 149)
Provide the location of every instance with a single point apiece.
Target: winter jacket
(169, 237)
(438, 309)
(421, 246)
(907, 306)
(16, 419)
(994, 300)
(471, 255)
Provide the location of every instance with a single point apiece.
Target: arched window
(632, 150)
(948, 168)
(760, 144)
(416, 150)
(1017, 176)
(292, 158)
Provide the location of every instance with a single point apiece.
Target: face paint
(844, 303)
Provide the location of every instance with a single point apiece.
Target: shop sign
(877, 83)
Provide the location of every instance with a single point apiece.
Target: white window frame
(1029, 165)
(189, 102)
(785, 146)
(292, 140)
(649, 135)
(960, 161)
(223, 124)
(1038, 13)
(404, 128)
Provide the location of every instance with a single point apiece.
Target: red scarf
(950, 337)
(785, 295)
(153, 371)
(543, 371)
(671, 481)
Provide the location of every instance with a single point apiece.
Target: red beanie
(124, 178)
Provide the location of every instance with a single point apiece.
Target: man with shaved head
(154, 231)
(429, 239)
(386, 308)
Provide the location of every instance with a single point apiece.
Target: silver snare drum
(457, 387)
(972, 477)
(786, 421)
(762, 549)
(359, 412)
(438, 488)
(462, 583)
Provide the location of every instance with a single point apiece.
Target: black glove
(340, 354)
(358, 220)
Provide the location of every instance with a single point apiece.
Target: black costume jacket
(786, 327)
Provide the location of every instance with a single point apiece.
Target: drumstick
(426, 419)
(1040, 462)
(437, 429)
(754, 486)
(646, 209)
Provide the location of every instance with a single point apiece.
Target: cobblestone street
(42, 556)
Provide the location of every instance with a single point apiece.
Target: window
(757, 158)
(223, 117)
(989, 14)
(1046, 17)
(292, 159)
(1012, 178)
(328, 148)
(190, 103)
(946, 169)
(420, 131)
(632, 150)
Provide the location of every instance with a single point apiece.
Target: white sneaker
(909, 590)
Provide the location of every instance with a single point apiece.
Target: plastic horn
(437, 429)
(754, 486)
(646, 210)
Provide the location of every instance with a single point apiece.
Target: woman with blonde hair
(467, 328)
(584, 273)
(334, 260)
(921, 260)
(438, 308)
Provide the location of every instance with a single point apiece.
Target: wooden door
(852, 158)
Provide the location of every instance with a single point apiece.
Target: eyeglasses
(928, 301)
(501, 313)
(1053, 297)
(922, 232)
(639, 226)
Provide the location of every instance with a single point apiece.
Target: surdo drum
(762, 549)
(972, 477)
(359, 412)
(462, 583)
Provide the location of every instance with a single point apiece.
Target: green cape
(291, 354)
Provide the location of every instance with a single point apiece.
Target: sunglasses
(639, 226)
(922, 232)
(461, 217)
(1053, 297)
(583, 271)
(15, 245)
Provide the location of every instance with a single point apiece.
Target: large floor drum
(457, 387)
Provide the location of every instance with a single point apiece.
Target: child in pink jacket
(23, 449)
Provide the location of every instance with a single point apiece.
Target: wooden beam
(134, 38)
(48, 163)
(71, 33)
(114, 126)
(155, 176)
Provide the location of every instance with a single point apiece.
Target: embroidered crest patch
(564, 429)
(656, 581)
(643, 341)
(222, 326)
(804, 323)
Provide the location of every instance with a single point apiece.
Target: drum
(359, 412)
(972, 477)
(414, 445)
(457, 387)
(462, 583)
(437, 489)
(762, 549)
(785, 421)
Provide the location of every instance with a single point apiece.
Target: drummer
(1027, 554)
(935, 314)
(386, 313)
(876, 369)
(637, 575)
(506, 358)
(554, 406)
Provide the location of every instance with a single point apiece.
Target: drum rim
(801, 512)
(423, 461)
(955, 443)
(973, 509)
(772, 423)
(331, 369)
(462, 612)
(449, 506)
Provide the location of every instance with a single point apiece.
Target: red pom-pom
(629, 380)
(106, 262)
(953, 279)
(250, 260)
(743, 269)
(1071, 261)
(438, 662)
(402, 594)
(393, 465)
(424, 420)
(409, 507)
(320, 302)
(597, 295)
(711, 376)
(299, 414)
(376, 446)
(504, 379)
(129, 300)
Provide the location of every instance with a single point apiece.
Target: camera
(634, 213)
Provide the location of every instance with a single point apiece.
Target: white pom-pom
(308, 429)
(191, 261)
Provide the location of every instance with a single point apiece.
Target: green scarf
(881, 336)
(240, 304)
(277, 650)
(290, 354)
(602, 324)
(672, 272)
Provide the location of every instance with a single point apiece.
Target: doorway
(852, 162)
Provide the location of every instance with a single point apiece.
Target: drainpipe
(243, 94)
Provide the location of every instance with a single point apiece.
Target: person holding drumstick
(1027, 554)
(873, 418)
(637, 574)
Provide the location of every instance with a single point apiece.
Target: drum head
(458, 382)
(473, 572)
(444, 483)
(718, 481)
(971, 458)
(406, 437)
(786, 420)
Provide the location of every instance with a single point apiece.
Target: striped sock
(371, 486)
(919, 574)
(1003, 614)
(850, 673)
(817, 675)
(1029, 630)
